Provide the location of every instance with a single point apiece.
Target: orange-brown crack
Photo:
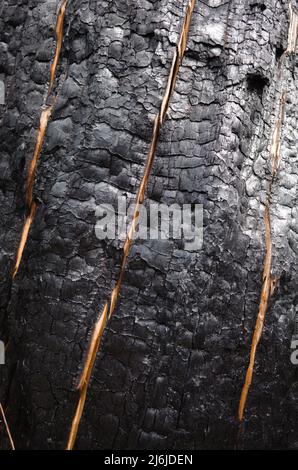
(111, 304)
(59, 39)
(7, 428)
(276, 141)
(24, 236)
(268, 281)
(265, 294)
(43, 123)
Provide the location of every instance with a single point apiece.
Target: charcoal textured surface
(173, 359)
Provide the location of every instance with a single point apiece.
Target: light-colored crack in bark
(267, 278)
(7, 428)
(293, 30)
(43, 123)
(111, 303)
(59, 39)
(268, 281)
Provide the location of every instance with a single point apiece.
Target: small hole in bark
(256, 83)
(259, 6)
(279, 51)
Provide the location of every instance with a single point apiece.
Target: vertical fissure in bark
(275, 156)
(110, 305)
(7, 428)
(46, 113)
(293, 30)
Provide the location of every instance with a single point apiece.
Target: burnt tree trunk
(173, 360)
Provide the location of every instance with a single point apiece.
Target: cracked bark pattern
(173, 359)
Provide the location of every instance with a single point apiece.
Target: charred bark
(173, 359)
